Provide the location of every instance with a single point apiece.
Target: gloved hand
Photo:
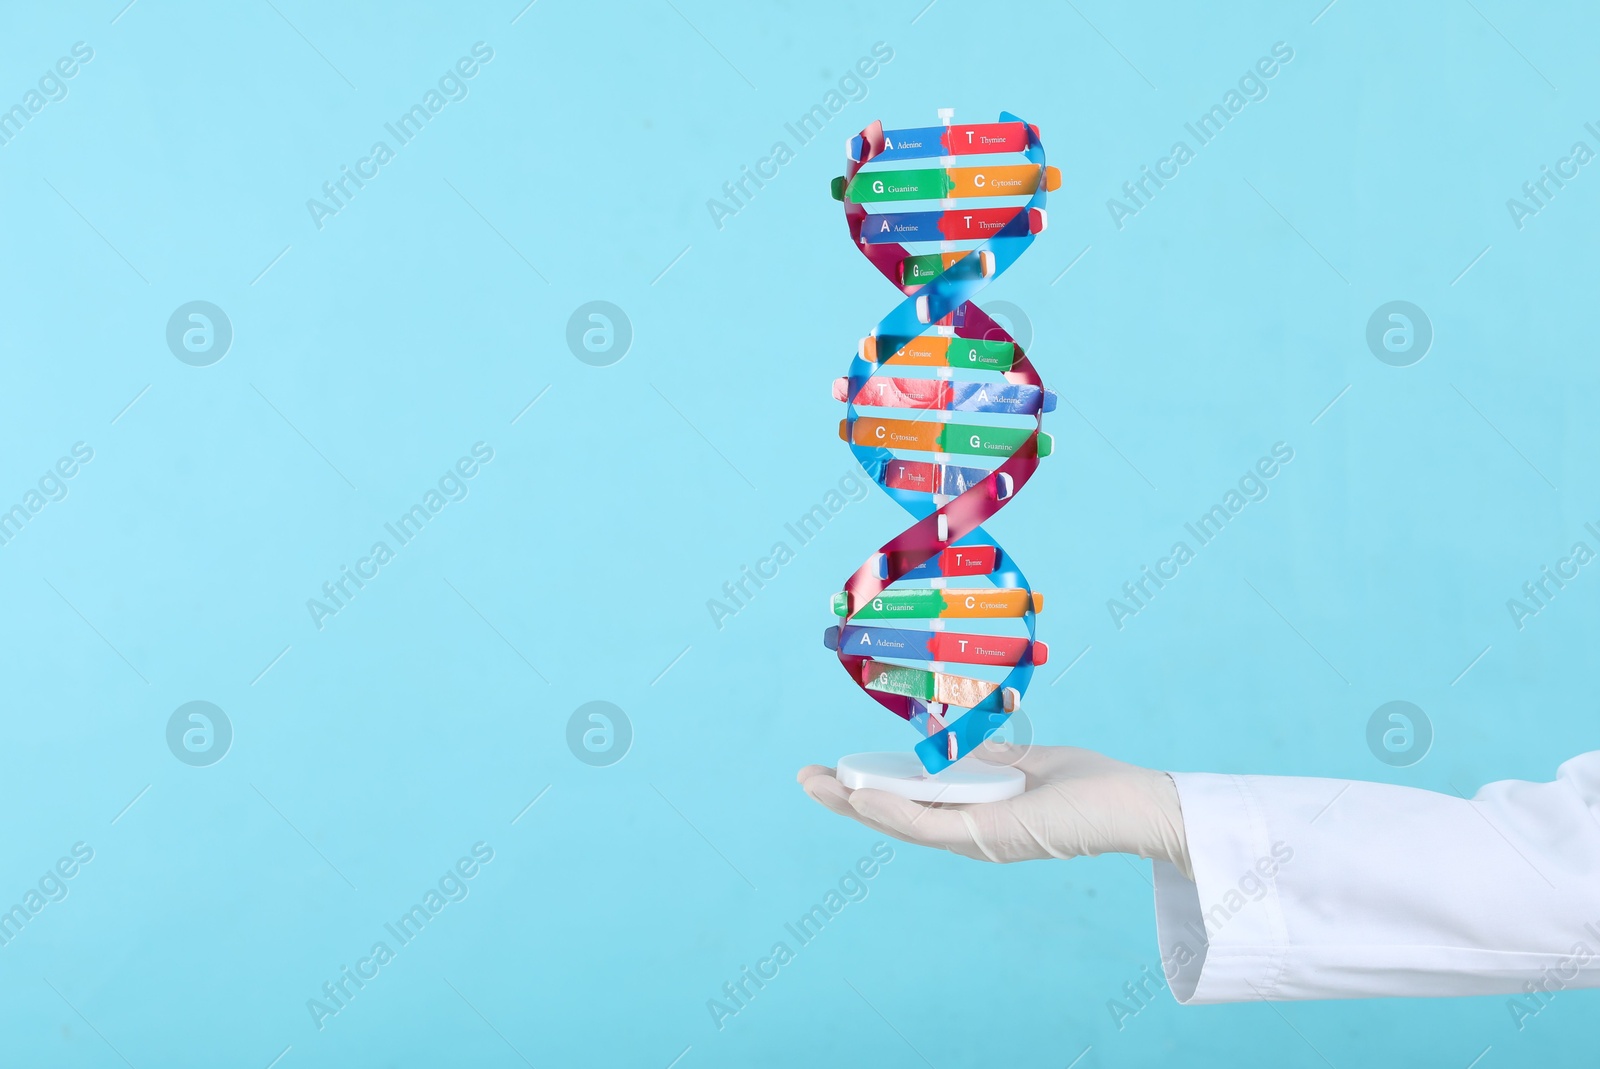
(1077, 803)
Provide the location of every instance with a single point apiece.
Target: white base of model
(968, 780)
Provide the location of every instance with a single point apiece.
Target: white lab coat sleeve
(1319, 888)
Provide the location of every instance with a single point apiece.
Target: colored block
(981, 441)
(977, 138)
(917, 143)
(976, 224)
(897, 679)
(883, 391)
(915, 270)
(985, 602)
(871, 186)
(1003, 181)
(961, 691)
(977, 352)
(897, 434)
(926, 351)
(886, 642)
(977, 649)
(955, 480)
(916, 475)
(1012, 398)
(892, 227)
(967, 560)
(915, 604)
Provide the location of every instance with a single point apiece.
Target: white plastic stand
(968, 780)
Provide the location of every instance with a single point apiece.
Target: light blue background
(373, 753)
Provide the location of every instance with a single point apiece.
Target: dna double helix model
(944, 412)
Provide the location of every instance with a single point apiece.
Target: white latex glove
(1077, 803)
